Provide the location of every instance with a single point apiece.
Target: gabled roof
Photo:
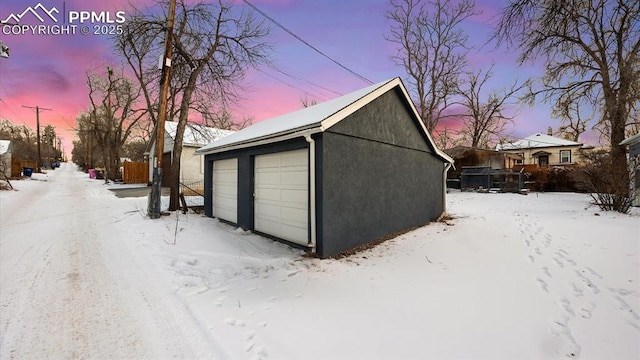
(313, 119)
(631, 140)
(196, 135)
(537, 140)
(5, 145)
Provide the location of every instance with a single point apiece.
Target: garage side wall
(379, 177)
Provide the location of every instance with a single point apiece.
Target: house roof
(313, 119)
(537, 140)
(631, 140)
(461, 151)
(196, 135)
(4, 146)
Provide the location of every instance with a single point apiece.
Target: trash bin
(99, 174)
(27, 171)
(92, 173)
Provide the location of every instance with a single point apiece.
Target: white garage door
(225, 189)
(281, 195)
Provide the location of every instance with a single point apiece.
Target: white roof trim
(631, 140)
(321, 124)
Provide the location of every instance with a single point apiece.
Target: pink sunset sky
(49, 70)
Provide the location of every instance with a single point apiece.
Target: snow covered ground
(84, 274)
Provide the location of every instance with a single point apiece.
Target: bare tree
(574, 123)
(213, 46)
(446, 138)
(485, 119)
(591, 51)
(113, 116)
(224, 120)
(432, 48)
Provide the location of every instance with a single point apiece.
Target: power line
(306, 81)
(306, 43)
(37, 109)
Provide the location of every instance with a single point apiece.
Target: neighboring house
(546, 150)
(191, 165)
(634, 162)
(5, 158)
(469, 156)
(331, 177)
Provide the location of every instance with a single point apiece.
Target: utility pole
(156, 184)
(37, 109)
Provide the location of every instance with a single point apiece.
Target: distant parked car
(55, 164)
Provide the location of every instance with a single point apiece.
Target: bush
(607, 183)
(553, 179)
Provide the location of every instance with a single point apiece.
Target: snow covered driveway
(68, 288)
(87, 275)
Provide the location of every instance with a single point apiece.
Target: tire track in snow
(65, 286)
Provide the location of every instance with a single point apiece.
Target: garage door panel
(268, 194)
(225, 189)
(298, 197)
(226, 176)
(294, 216)
(281, 188)
(268, 177)
(267, 162)
(293, 232)
(298, 177)
(293, 158)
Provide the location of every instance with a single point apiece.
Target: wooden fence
(135, 172)
(18, 165)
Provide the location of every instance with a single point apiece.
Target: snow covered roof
(4, 146)
(196, 135)
(311, 120)
(537, 140)
(631, 140)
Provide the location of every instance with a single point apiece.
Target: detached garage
(330, 177)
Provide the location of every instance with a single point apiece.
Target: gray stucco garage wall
(379, 177)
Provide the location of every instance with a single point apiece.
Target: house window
(565, 156)
(520, 161)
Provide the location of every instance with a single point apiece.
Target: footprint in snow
(569, 348)
(234, 322)
(586, 311)
(566, 306)
(626, 309)
(588, 282)
(558, 262)
(575, 290)
(594, 273)
(543, 284)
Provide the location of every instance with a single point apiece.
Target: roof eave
(267, 139)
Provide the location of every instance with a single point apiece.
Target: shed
(333, 176)
(6, 159)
